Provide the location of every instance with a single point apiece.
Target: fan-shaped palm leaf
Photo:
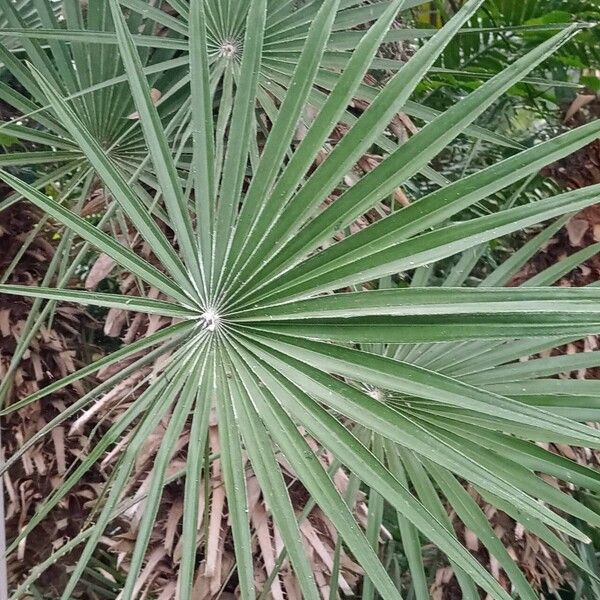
(274, 354)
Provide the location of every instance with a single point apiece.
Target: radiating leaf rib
(30, 134)
(133, 303)
(337, 438)
(158, 147)
(31, 157)
(537, 367)
(96, 37)
(293, 20)
(359, 138)
(202, 132)
(37, 112)
(212, 24)
(45, 179)
(429, 301)
(481, 359)
(412, 380)
(411, 433)
(575, 407)
(34, 50)
(106, 243)
(25, 106)
(260, 451)
(313, 476)
(433, 246)
(123, 194)
(217, 12)
(236, 157)
(251, 228)
(430, 496)
(19, 70)
(111, 99)
(503, 273)
(352, 17)
(194, 464)
(156, 14)
(409, 535)
(283, 129)
(193, 374)
(375, 507)
(436, 358)
(295, 23)
(435, 314)
(553, 273)
(234, 477)
(280, 72)
(74, 18)
(155, 413)
(309, 506)
(402, 164)
(60, 52)
(418, 330)
(222, 122)
(528, 454)
(522, 477)
(276, 9)
(180, 6)
(442, 204)
(572, 387)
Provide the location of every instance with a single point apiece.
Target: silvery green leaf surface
(294, 336)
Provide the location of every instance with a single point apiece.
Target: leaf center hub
(229, 49)
(210, 320)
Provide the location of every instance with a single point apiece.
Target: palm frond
(289, 336)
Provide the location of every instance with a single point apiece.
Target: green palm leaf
(408, 387)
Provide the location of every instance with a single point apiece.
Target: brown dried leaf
(580, 101)
(155, 96)
(576, 229)
(100, 270)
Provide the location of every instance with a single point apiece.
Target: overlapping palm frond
(85, 71)
(92, 76)
(500, 367)
(58, 43)
(28, 15)
(262, 343)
